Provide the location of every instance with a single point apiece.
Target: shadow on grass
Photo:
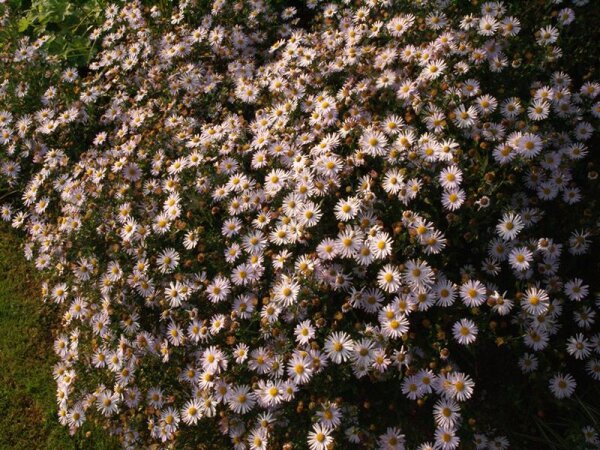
(28, 409)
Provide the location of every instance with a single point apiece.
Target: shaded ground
(27, 397)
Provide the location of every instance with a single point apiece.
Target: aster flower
(472, 293)
(320, 437)
(108, 403)
(388, 278)
(240, 399)
(304, 332)
(465, 331)
(510, 226)
(520, 258)
(450, 177)
(300, 368)
(578, 346)
(373, 143)
(338, 347)
(392, 439)
(562, 385)
(535, 301)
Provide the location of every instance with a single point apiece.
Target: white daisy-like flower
(473, 293)
(241, 399)
(562, 385)
(389, 278)
(338, 346)
(510, 226)
(286, 292)
(450, 177)
(304, 332)
(346, 210)
(535, 301)
(579, 347)
(320, 437)
(373, 143)
(520, 258)
(465, 331)
(300, 368)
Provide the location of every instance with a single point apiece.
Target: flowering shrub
(271, 227)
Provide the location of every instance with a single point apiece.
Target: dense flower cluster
(246, 219)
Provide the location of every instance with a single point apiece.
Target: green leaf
(24, 23)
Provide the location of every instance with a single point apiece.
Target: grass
(27, 390)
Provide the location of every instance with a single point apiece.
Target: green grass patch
(27, 391)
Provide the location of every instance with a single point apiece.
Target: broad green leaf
(24, 23)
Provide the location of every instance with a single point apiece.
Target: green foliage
(67, 23)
